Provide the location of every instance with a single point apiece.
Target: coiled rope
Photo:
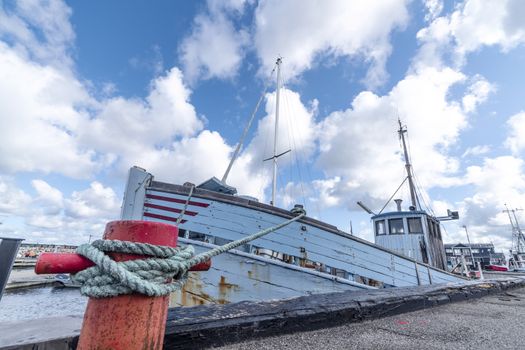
(150, 276)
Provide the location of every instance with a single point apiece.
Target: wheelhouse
(412, 233)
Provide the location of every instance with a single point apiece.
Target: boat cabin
(412, 233)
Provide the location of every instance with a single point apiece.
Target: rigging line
(444, 229)
(423, 194)
(287, 118)
(414, 176)
(296, 153)
(392, 196)
(248, 126)
(301, 153)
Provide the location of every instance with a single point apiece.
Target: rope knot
(150, 276)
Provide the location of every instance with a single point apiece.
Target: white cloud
(304, 31)
(516, 139)
(497, 181)
(296, 129)
(96, 202)
(478, 93)
(361, 145)
(54, 125)
(476, 151)
(52, 217)
(49, 198)
(215, 47)
(434, 8)
(129, 128)
(39, 112)
(480, 23)
(13, 200)
(325, 188)
(40, 29)
(472, 25)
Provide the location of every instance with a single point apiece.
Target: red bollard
(48, 263)
(131, 321)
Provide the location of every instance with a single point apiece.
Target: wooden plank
(260, 207)
(287, 238)
(364, 269)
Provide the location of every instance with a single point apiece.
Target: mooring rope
(179, 219)
(150, 276)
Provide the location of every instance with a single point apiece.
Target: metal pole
(278, 92)
(470, 247)
(480, 271)
(417, 273)
(8, 250)
(408, 167)
(465, 269)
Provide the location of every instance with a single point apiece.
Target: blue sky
(88, 89)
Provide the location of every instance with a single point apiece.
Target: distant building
(482, 252)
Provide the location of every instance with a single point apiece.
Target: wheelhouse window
(396, 226)
(414, 225)
(380, 228)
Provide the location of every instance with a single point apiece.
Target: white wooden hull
(313, 251)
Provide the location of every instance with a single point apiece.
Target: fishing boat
(305, 257)
(414, 232)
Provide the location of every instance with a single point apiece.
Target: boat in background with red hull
(502, 268)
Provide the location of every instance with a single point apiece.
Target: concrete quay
(491, 322)
(376, 319)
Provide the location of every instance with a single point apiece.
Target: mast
(413, 196)
(517, 235)
(275, 156)
(521, 238)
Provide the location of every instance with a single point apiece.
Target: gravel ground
(492, 322)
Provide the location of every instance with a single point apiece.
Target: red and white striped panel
(168, 206)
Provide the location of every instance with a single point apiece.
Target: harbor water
(31, 303)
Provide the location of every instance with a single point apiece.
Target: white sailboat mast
(278, 92)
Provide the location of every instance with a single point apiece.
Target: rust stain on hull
(225, 290)
(193, 293)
